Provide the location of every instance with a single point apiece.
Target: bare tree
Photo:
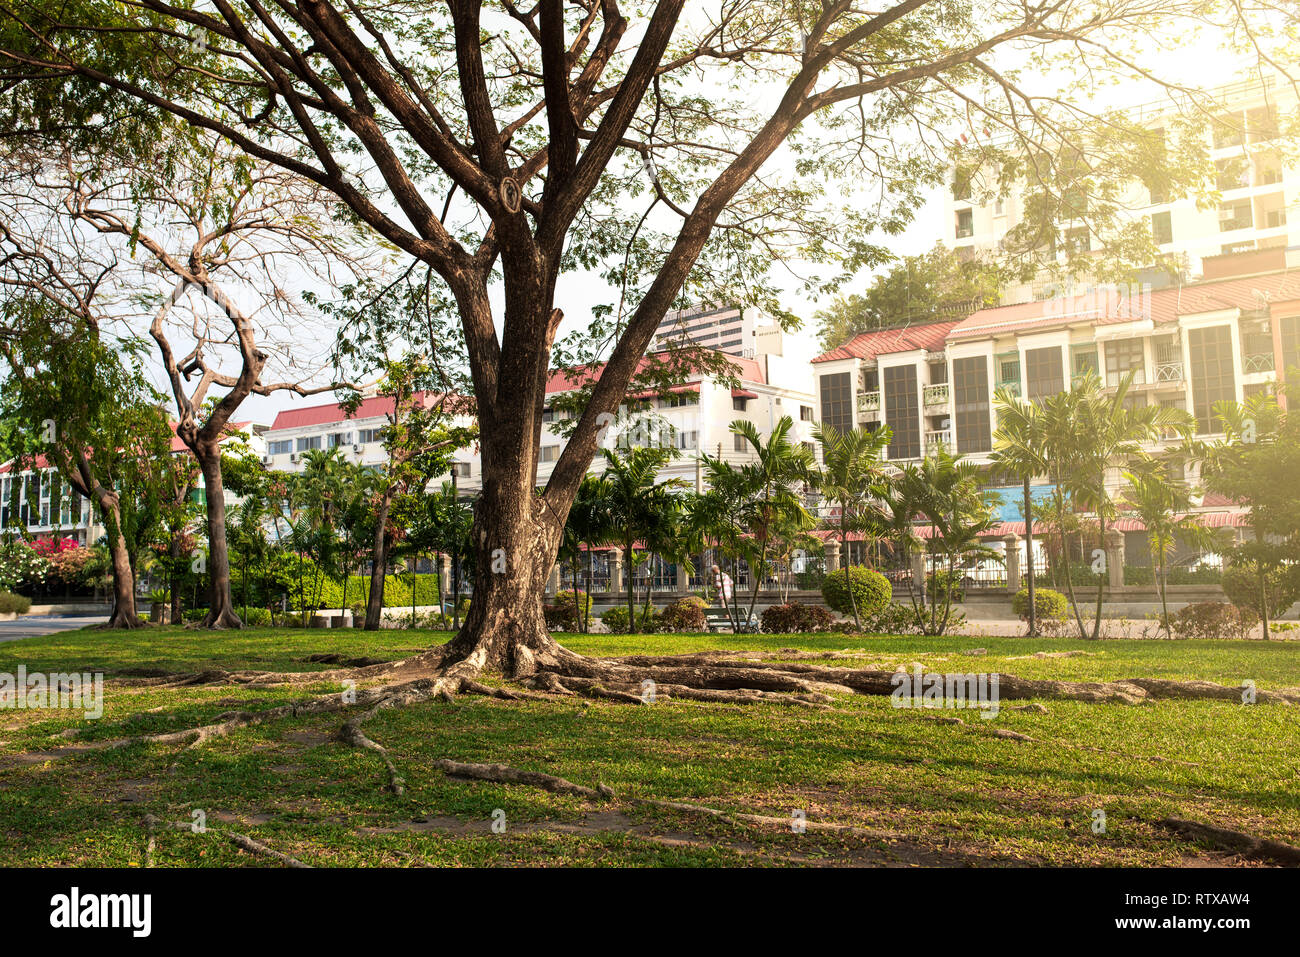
(230, 236)
(500, 145)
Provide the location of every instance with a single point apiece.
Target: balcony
(939, 440)
(869, 402)
(935, 394)
(1012, 386)
(1169, 364)
(1257, 362)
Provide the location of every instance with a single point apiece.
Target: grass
(924, 792)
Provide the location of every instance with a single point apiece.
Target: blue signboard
(1013, 497)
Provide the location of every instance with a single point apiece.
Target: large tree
(501, 145)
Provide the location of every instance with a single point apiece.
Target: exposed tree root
(242, 841)
(1247, 845)
(503, 774)
(764, 820)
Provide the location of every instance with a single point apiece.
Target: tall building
(729, 329)
(1257, 211)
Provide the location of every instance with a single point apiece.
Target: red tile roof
(868, 345)
(746, 370)
(331, 412)
(1161, 306)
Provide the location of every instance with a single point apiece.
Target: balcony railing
(1169, 370)
(868, 401)
(935, 394)
(1011, 385)
(939, 440)
(1257, 362)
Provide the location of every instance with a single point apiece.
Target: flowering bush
(19, 564)
(1214, 620)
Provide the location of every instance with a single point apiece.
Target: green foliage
(795, 617)
(615, 620)
(14, 604)
(1213, 620)
(1242, 587)
(685, 614)
(935, 285)
(1049, 605)
(568, 610)
(21, 565)
(871, 591)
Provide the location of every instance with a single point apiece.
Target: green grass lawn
(922, 791)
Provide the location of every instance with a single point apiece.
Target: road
(31, 625)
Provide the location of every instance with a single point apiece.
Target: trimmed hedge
(1213, 620)
(14, 604)
(1049, 605)
(1241, 587)
(685, 614)
(615, 620)
(871, 590)
(795, 617)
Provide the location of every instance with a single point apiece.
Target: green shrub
(685, 614)
(795, 617)
(871, 591)
(943, 581)
(568, 611)
(1213, 620)
(896, 618)
(1049, 605)
(1241, 582)
(615, 620)
(14, 604)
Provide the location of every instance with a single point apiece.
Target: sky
(1199, 65)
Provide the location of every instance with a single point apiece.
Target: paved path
(31, 625)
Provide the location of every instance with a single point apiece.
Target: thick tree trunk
(515, 544)
(221, 610)
(124, 613)
(378, 568)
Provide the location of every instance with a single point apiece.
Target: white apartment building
(1186, 347)
(49, 508)
(326, 426)
(696, 417)
(731, 329)
(1257, 210)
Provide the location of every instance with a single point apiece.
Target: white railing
(1169, 370)
(935, 394)
(868, 401)
(938, 440)
(1259, 362)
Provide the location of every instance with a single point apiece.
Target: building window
(971, 404)
(550, 453)
(688, 440)
(965, 223)
(366, 436)
(679, 400)
(280, 447)
(1162, 228)
(1122, 357)
(335, 439)
(1290, 342)
(938, 372)
(308, 442)
(1044, 373)
(1235, 216)
(837, 401)
(902, 412)
(738, 403)
(739, 443)
(1210, 352)
(805, 413)
(962, 179)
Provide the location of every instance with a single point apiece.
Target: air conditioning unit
(356, 448)
(293, 456)
(266, 460)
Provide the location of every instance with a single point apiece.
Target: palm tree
(640, 503)
(1162, 504)
(945, 491)
(1109, 433)
(851, 477)
(1020, 450)
(780, 468)
(590, 523)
